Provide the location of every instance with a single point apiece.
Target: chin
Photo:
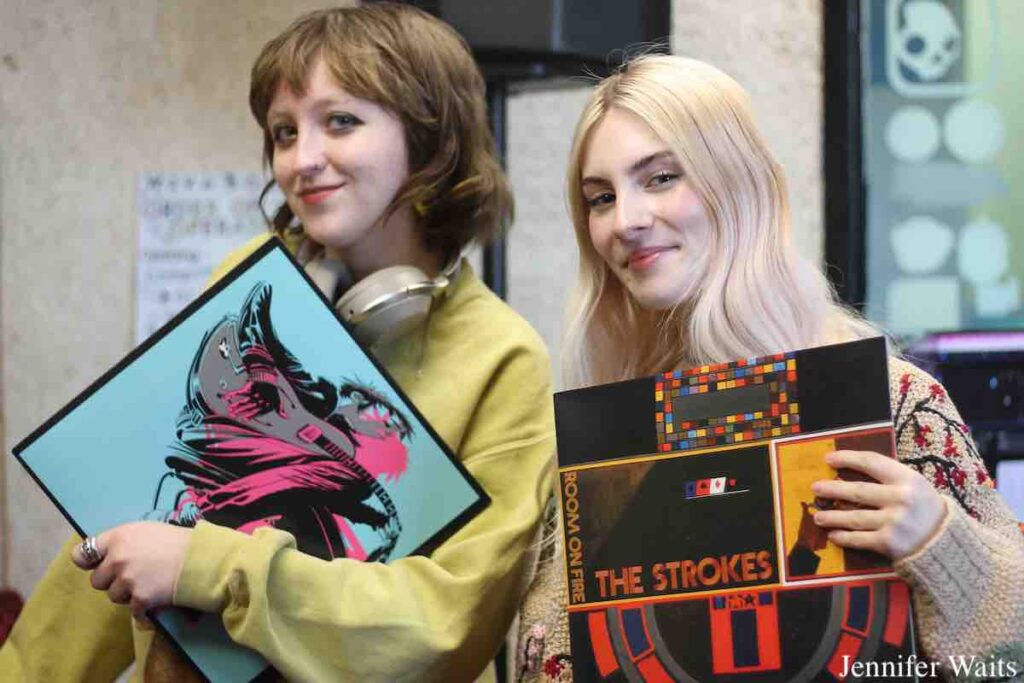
(652, 295)
(327, 234)
(654, 300)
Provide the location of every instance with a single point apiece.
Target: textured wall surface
(541, 246)
(773, 48)
(92, 92)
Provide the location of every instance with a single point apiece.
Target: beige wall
(91, 93)
(94, 91)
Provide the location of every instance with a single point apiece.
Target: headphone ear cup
(387, 304)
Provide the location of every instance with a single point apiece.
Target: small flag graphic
(712, 486)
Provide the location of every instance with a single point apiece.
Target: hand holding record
(895, 515)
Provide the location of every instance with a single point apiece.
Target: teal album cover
(254, 407)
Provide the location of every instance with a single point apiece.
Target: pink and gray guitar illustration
(263, 442)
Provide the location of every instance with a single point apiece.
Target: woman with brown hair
(375, 130)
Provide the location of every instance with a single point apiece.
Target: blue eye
(282, 135)
(600, 200)
(659, 179)
(342, 121)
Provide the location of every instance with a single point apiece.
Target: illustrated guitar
(226, 386)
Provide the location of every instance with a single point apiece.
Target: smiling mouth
(318, 194)
(645, 258)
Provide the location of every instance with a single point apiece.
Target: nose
(310, 156)
(632, 215)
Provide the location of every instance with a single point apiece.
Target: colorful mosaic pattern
(780, 418)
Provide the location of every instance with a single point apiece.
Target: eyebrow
(329, 102)
(636, 167)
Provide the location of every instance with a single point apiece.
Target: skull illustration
(929, 40)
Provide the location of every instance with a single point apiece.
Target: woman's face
(645, 220)
(340, 161)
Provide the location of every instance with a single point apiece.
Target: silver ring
(90, 552)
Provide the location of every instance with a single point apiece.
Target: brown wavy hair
(418, 67)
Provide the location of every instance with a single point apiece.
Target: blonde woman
(686, 258)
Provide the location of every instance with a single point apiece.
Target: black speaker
(515, 39)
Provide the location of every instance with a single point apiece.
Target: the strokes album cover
(254, 407)
(690, 548)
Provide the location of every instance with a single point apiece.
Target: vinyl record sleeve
(255, 406)
(690, 548)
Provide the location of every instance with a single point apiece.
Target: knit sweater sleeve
(967, 580)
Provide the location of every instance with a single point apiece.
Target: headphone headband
(386, 304)
(430, 288)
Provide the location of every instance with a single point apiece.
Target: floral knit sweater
(967, 581)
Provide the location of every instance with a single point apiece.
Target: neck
(395, 242)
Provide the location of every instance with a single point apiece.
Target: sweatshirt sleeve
(441, 617)
(968, 580)
(67, 631)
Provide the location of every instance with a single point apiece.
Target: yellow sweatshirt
(480, 376)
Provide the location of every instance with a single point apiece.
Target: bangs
(418, 68)
(353, 61)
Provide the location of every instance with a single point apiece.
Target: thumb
(90, 552)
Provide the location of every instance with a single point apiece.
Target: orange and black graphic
(740, 636)
(691, 552)
(800, 462)
(653, 527)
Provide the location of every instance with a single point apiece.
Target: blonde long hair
(755, 295)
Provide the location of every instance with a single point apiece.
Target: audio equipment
(385, 305)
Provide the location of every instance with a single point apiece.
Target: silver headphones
(385, 305)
